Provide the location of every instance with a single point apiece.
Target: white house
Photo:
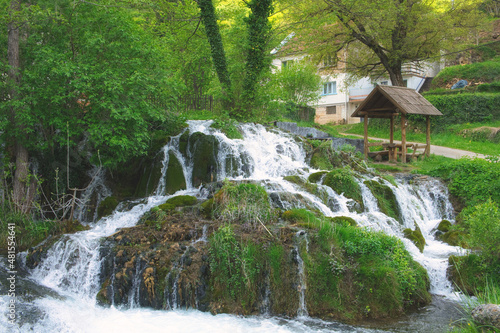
(339, 99)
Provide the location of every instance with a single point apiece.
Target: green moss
(416, 237)
(386, 199)
(182, 200)
(321, 155)
(343, 181)
(444, 226)
(316, 177)
(166, 207)
(454, 238)
(343, 220)
(472, 273)
(244, 203)
(298, 215)
(204, 150)
(174, 177)
(149, 178)
(107, 206)
(207, 207)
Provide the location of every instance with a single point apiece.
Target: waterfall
(302, 286)
(72, 265)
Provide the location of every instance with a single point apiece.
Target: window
(286, 63)
(331, 109)
(405, 83)
(384, 83)
(330, 88)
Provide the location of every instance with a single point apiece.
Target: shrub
(464, 108)
(245, 203)
(483, 222)
(473, 180)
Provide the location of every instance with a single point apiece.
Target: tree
(380, 36)
(298, 83)
(256, 48)
(88, 75)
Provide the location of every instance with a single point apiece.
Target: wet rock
(487, 314)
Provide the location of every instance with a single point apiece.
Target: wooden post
(428, 137)
(403, 138)
(391, 152)
(366, 136)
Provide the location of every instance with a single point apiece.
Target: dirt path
(437, 150)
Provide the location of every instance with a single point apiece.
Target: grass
(449, 138)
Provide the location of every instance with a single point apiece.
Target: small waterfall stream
(72, 266)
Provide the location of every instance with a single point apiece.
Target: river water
(59, 295)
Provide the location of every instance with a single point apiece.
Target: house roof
(385, 101)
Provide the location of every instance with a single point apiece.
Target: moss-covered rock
(182, 200)
(204, 150)
(107, 206)
(316, 177)
(386, 199)
(344, 220)
(444, 226)
(174, 177)
(454, 238)
(149, 178)
(207, 207)
(343, 182)
(416, 237)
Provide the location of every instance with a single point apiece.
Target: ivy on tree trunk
(209, 19)
(258, 34)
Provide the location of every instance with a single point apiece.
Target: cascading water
(302, 310)
(72, 266)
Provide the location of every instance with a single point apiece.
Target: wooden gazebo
(388, 102)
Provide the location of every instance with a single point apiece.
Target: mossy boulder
(416, 237)
(343, 182)
(444, 226)
(174, 177)
(386, 199)
(204, 149)
(150, 176)
(316, 177)
(344, 220)
(454, 238)
(107, 206)
(182, 200)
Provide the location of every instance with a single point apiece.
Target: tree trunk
(209, 19)
(23, 186)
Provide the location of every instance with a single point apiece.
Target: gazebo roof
(386, 101)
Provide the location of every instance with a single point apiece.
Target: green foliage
(483, 224)
(297, 83)
(416, 237)
(234, 267)
(473, 180)
(93, 73)
(182, 200)
(243, 203)
(228, 126)
(209, 18)
(107, 206)
(343, 181)
(463, 108)
(386, 199)
(382, 35)
(257, 61)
